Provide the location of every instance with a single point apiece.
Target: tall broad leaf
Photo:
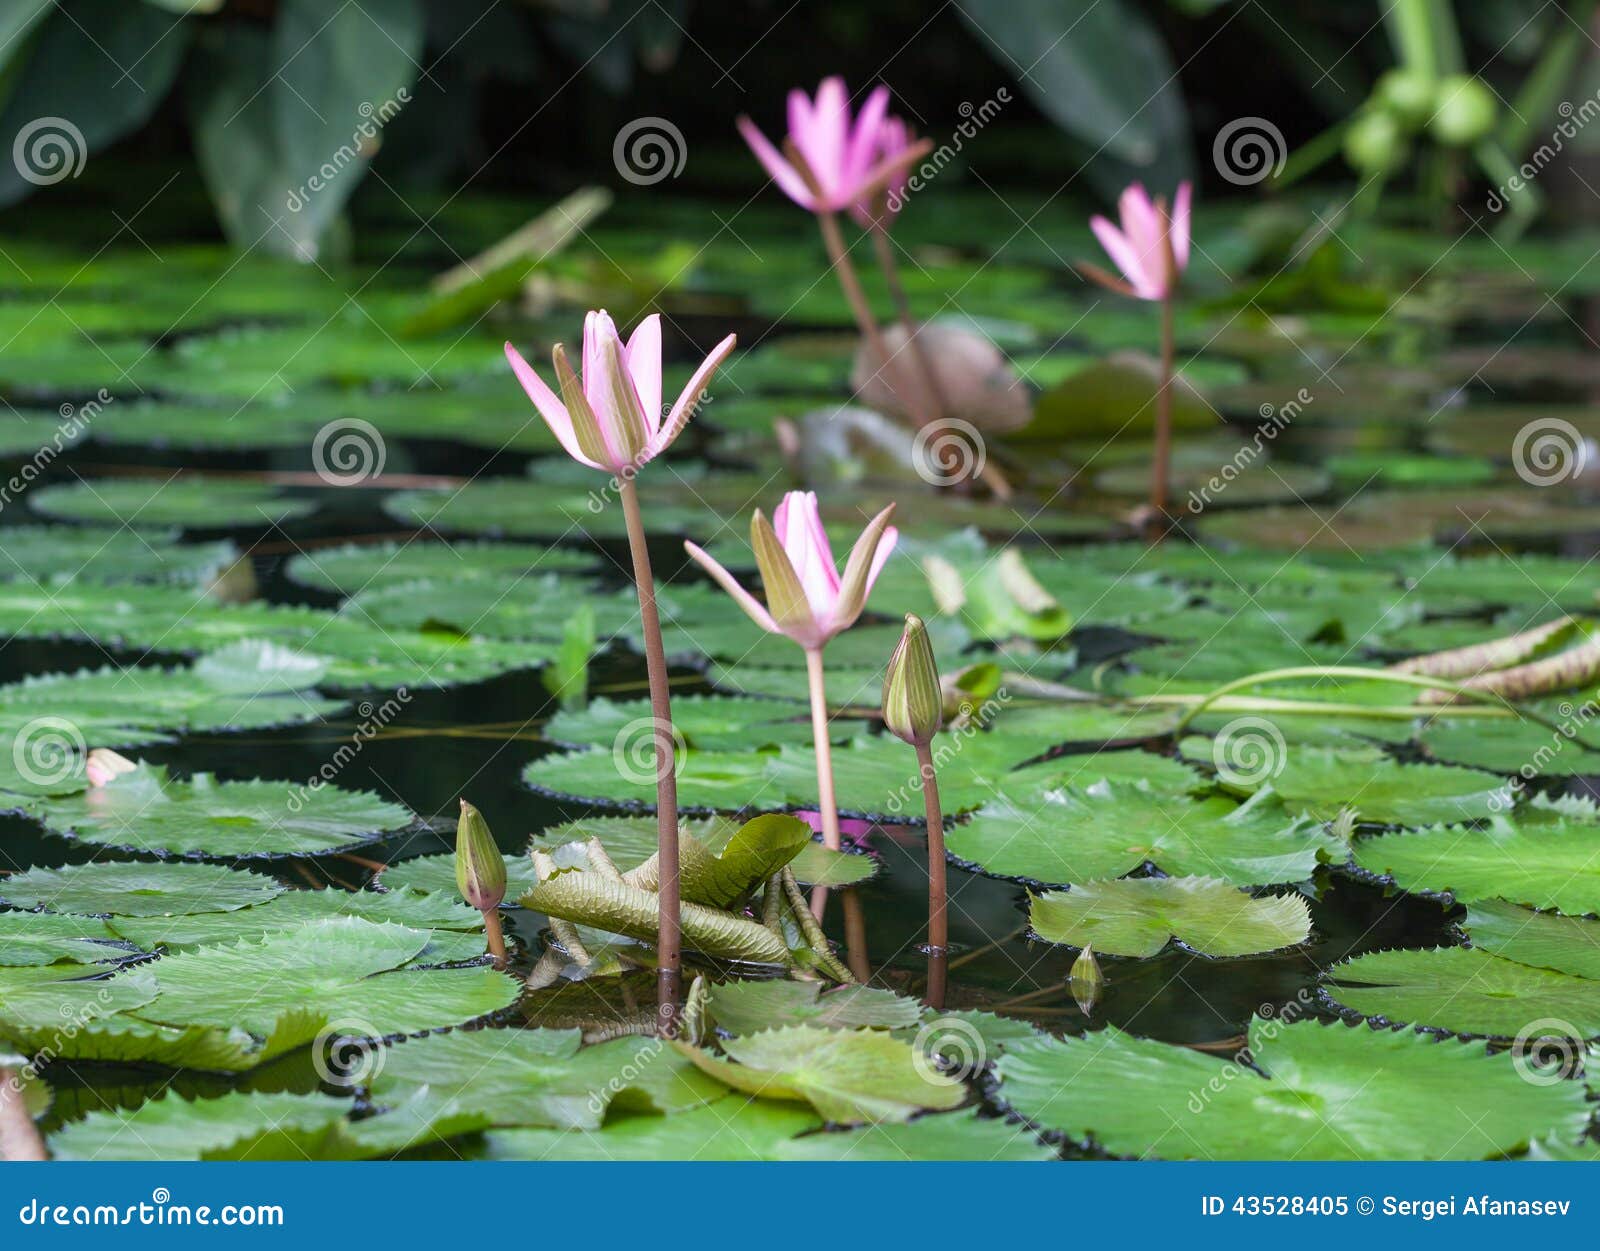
(1098, 69)
(286, 121)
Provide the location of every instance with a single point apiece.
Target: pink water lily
(612, 417)
(807, 598)
(833, 161)
(884, 203)
(1151, 249)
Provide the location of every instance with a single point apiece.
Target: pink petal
(549, 405)
(880, 557)
(683, 409)
(751, 605)
(1140, 221)
(789, 182)
(825, 140)
(1123, 256)
(597, 329)
(643, 359)
(865, 140)
(1180, 224)
(799, 528)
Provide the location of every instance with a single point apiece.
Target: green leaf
(1109, 829)
(45, 938)
(239, 1125)
(1326, 1092)
(705, 722)
(1137, 917)
(191, 501)
(148, 811)
(1542, 939)
(339, 969)
(730, 1129)
(68, 553)
(1544, 865)
(1323, 780)
(1467, 991)
(1512, 746)
(436, 875)
(846, 1076)
(368, 566)
(744, 1007)
(137, 890)
(960, 1135)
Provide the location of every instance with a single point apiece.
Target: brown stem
(1160, 470)
(669, 946)
(855, 934)
(496, 936)
(902, 308)
(819, 735)
(938, 920)
(19, 1136)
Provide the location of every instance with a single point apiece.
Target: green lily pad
(361, 567)
(1325, 1092)
(436, 875)
(730, 1129)
(1550, 864)
(1467, 991)
(190, 501)
(239, 1125)
(847, 1077)
(137, 890)
(70, 553)
(1514, 746)
(1542, 939)
(47, 938)
(1322, 781)
(149, 811)
(1061, 836)
(745, 1007)
(962, 1135)
(703, 722)
(1138, 916)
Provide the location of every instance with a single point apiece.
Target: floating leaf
(68, 553)
(1512, 745)
(1326, 1092)
(364, 567)
(1543, 939)
(148, 811)
(1322, 780)
(730, 1129)
(137, 890)
(47, 938)
(846, 1076)
(239, 1125)
(744, 1007)
(1138, 916)
(1466, 991)
(960, 1135)
(190, 501)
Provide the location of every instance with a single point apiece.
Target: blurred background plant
(286, 106)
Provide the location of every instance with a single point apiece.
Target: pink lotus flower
(1151, 249)
(884, 203)
(807, 599)
(103, 765)
(832, 163)
(612, 418)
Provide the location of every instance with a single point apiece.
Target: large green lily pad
(1139, 916)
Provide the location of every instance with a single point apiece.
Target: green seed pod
(1375, 143)
(1086, 980)
(913, 704)
(1407, 94)
(1464, 111)
(480, 868)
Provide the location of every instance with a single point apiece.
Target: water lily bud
(1464, 111)
(1408, 94)
(104, 764)
(1375, 143)
(1086, 980)
(913, 704)
(480, 868)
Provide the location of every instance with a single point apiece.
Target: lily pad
(189, 501)
(146, 810)
(1322, 781)
(137, 890)
(70, 553)
(239, 1125)
(1325, 1092)
(1543, 939)
(730, 1129)
(1138, 916)
(48, 938)
(745, 1007)
(360, 567)
(962, 1135)
(1514, 746)
(1467, 991)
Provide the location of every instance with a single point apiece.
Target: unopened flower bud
(1086, 980)
(913, 705)
(480, 868)
(103, 764)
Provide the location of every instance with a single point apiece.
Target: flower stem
(897, 293)
(819, 735)
(839, 257)
(19, 1136)
(938, 918)
(669, 941)
(1160, 470)
(496, 936)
